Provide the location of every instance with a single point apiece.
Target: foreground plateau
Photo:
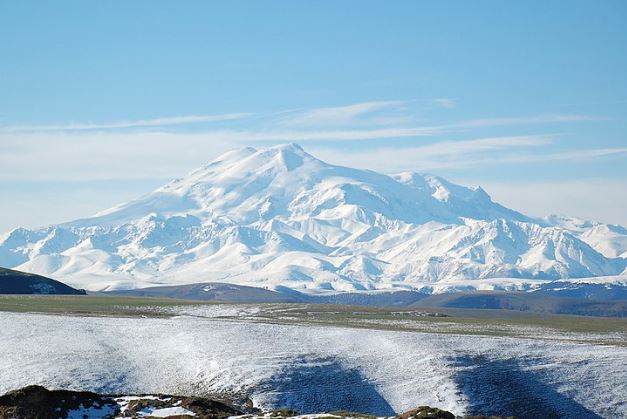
(313, 358)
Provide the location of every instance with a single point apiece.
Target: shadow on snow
(310, 385)
(503, 387)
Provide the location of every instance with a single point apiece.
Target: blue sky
(103, 101)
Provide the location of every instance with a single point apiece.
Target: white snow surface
(608, 239)
(280, 217)
(165, 412)
(278, 365)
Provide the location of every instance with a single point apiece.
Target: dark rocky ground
(36, 402)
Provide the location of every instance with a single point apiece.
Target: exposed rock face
(36, 402)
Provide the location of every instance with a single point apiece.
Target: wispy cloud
(140, 123)
(373, 112)
(582, 154)
(399, 112)
(446, 103)
(107, 150)
(391, 112)
(466, 154)
(526, 120)
(115, 155)
(442, 154)
(337, 115)
(365, 120)
(483, 144)
(323, 135)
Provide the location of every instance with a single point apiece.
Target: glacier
(279, 217)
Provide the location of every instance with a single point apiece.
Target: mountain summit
(281, 217)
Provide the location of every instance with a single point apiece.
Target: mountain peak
(288, 156)
(290, 148)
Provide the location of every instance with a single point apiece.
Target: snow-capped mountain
(608, 239)
(281, 217)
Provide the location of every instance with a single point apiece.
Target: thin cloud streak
(141, 123)
(393, 110)
(584, 154)
(356, 121)
(106, 151)
(527, 120)
(324, 135)
(463, 154)
(244, 136)
(339, 114)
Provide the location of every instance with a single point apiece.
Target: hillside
(535, 302)
(16, 282)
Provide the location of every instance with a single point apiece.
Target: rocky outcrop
(36, 402)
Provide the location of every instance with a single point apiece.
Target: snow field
(314, 369)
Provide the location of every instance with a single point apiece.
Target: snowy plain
(312, 368)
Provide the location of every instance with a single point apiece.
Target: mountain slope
(608, 239)
(281, 217)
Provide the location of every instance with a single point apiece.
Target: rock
(423, 412)
(435, 413)
(38, 402)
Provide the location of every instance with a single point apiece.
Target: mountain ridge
(281, 217)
